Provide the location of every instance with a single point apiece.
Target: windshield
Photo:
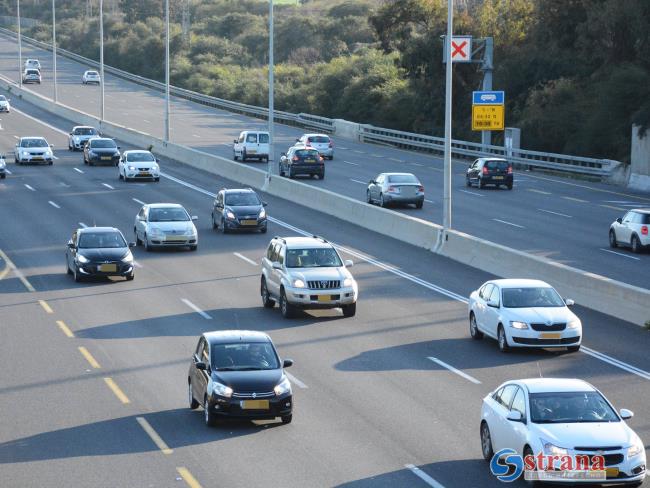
(170, 214)
(140, 157)
(244, 356)
(312, 258)
(318, 139)
(3, 98)
(500, 165)
(84, 131)
(241, 199)
(531, 297)
(33, 143)
(97, 240)
(570, 407)
(32, 72)
(105, 143)
(402, 179)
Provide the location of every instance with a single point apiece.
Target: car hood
(317, 274)
(140, 164)
(588, 434)
(249, 381)
(4, 102)
(246, 210)
(81, 137)
(541, 315)
(104, 254)
(33, 150)
(183, 226)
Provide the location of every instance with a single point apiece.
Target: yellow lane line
(576, 199)
(117, 390)
(154, 435)
(93, 362)
(18, 273)
(66, 330)
(539, 191)
(612, 207)
(189, 479)
(45, 306)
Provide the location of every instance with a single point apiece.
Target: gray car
(395, 188)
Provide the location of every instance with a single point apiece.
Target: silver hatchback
(395, 188)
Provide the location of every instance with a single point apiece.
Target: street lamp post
(446, 218)
(54, 45)
(166, 138)
(101, 60)
(269, 170)
(20, 47)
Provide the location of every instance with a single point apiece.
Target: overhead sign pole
(446, 217)
(166, 138)
(269, 167)
(20, 47)
(101, 59)
(54, 46)
(487, 68)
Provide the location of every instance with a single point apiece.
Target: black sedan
(101, 150)
(238, 374)
(99, 251)
(238, 209)
(302, 160)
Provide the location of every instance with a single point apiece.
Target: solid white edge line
(40, 122)
(29, 187)
(429, 201)
(78, 170)
(108, 186)
(350, 162)
(83, 225)
(296, 381)
(555, 213)
(195, 308)
(241, 256)
(619, 254)
(615, 362)
(509, 223)
(454, 370)
(53, 204)
(423, 476)
(358, 181)
(472, 193)
(138, 201)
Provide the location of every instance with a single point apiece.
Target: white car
(90, 76)
(165, 225)
(138, 164)
(523, 313)
(4, 104)
(3, 167)
(633, 229)
(32, 63)
(33, 150)
(251, 144)
(561, 417)
(79, 135)
(321, 142)
(31, 75)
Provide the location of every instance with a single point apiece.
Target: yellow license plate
(551, 335)
(310, 160)
(249, 222)
(611, 472)
(498, 177)
(255, 404)
(144, 173)
(324, 298)
(108, 268)
(106, 158)
(37, 157)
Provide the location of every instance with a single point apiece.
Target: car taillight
(485, 170)
(295, 158)
(391, 189)
(331, 144)
(509, 170)
(421, 189)
(644, 230)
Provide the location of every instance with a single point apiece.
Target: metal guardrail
(367, 133)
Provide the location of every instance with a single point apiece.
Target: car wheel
(509, 186)
(349, 310)
(382, 202)
(612, 238)
(156, 179)
(214, 223)
(209, 418)
(234, 155)
(69, 146)
(635, 244)
(288, 310)
(473, 328)
(77, 276)
(368, 197)
(50, 163)
(190, 396)
(91, 163)
(119, 175)
(467, 182)
(3, 176)
(267, 301)
(138, 242)
(486, 442)
(243, 156)
(286, 419)
(194, 247)
(291, 175)
(573, 348)
(502, 339)
(67, 267)
(263, 230)
(419, 204)
(147, 246)
(130, 277)
(224, 229)
(480, 183)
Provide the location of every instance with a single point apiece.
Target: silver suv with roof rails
(306, 273)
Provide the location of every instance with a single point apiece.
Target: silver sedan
(395, 188)
(160, 225)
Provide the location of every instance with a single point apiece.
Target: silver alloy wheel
(486, 441)
(206, 412)
(503, 344)
(190, 395)
(612, 238)
(635, 244)
(265, 293)
(283, 304)
(473, 329)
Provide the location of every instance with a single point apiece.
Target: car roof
(133, 151)
(98, 229)
(520, 283)
(253, 131)
(164, 205)
(230, 336)
(551, 385)
(493, 159)
(83, 127)
(641, 210)
(305, 242)
(238, 190)
(400, 174)
(102, 139)
(316, 135)
(300, 145)
(32, 137)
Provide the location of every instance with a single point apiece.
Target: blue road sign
(488, 98)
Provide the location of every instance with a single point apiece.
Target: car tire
(130, 277)
(243, 156)
(194, 247)
(50, 163)
(288, 310)
(263, 229)
(215, 226)
(267, 301)
(382, 203)
(467, 182)
(286, 419)
(635, 244)
(224, 229)
(486, 442)
(190, 396)
(3, 176)
(481, 185)
(69, 146)
(209, 418)
(291, 175)
(349, 310)
(234, 156)
(502, 339)
(67, 267)
(77, 276)
(91, 163)
(368, 197)
(509, 186)
(119, 176)
(419, 204)
(532, 483)
(473, 328)
(573, 348)
(138, 242)
(147, 246)
(157, 179)
(612, 239)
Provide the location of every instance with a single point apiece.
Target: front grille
(546, 342)
(598, 448)
(266, 394)
(324, 284)
(611, 459)
(549, 328)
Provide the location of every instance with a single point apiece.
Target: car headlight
(25, 154)
(221, 390)
(230, 215)
(2, 163)
(132, 168)
(82, 259)
(92, 153)
(155, 231)
(518, 325)
(574, 324)
(298, 283)
(128, 258)
(348, 282)
(552, 449)
(283, 387)
(635, 449)
(262, 214)
(155, 167)
(48, 153)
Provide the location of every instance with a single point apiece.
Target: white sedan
(4, 104)
(137, 165)
(565, 418)
(523, 313)
(33, 150)
(165, 225)
(90, 76)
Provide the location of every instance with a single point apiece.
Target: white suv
(631, 230)
(306, 273)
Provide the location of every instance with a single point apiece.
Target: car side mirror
(277, 265)
(619, 220)
(201, 365)
(264, 204)
(287, 363)
(297, 140)
(569, 302)
(348, 263)
(51, 145)
(514, 416)
(283, 154)
(195, 217)
(626, 414)
(372, 182)
(235, 141)
(492, 303)
(71, 133)
(70, 244)
(131, 244)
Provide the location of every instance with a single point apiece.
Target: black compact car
(302, 160)
(490, 171)
(238, 374)
(101, 150)
(238, 209)
(99, 251)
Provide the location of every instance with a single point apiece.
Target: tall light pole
(101, 60)
(54, 45)
(20, 47)
(446, 218)
(269, 170)
(166, 138)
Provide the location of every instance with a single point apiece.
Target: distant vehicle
(490, 171)
(301, 160)
(238, 209)
(562, 418)
(321, 142)
(101, 150)
(79, 135)
(32, 75)
(4, 104)
(90, 76)
(307, 273)
(523, 313)
(165, 225)
(395, 188)
(238, 374)
(3, 167)
(99, 251)
(631, 230)
(138, 164)
(32, 63)
(251, 144)
(33, 150)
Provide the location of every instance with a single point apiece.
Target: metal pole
(486, 135)
(20, 47)
(269, 169)
(54, 45)
(446, 218)
(166, 138)
(101, 59)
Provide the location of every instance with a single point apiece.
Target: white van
(252, 144)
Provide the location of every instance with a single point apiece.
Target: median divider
(599, 293)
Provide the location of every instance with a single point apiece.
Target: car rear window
(3, 98)
(498, 165)
(318, 139)
(307, 153)
(32, 72)
(402, 179)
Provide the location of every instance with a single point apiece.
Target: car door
(376, 187)
(271, 257)
(473, 171)
(492, 312)
(251, 143)
(201, 377)
(515, 433)
(218, 207)
(276, 274)
(481, 305)
(139, 223)
(501, 426)
(71, 251)
(624, 230)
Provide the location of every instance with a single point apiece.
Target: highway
(564, 219)
(93, 390)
